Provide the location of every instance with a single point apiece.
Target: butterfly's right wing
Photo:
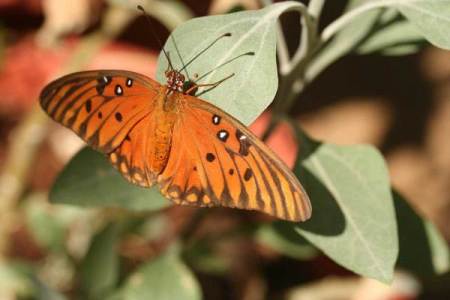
(100, 106)
(216, 161)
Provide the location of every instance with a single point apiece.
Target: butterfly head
(175, 80)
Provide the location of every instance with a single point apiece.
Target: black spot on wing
(88, 105)
(102, 82)
(248, 174)
(210, 157)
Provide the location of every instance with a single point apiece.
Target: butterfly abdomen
(163, 122)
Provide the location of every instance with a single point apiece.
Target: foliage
(359, 221)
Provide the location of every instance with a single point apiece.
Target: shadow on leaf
(416, 251)
(327, 218)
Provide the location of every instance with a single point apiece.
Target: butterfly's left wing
(100, 106)
(216, 161)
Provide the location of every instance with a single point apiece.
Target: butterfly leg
(210, 85)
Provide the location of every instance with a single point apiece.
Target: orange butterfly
(152, 133)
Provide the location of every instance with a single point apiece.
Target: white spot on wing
(119, 90)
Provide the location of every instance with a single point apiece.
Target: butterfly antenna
(180, 57)
(251, 53)
(150, 22)
(204, 50)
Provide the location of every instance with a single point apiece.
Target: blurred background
(399, 104)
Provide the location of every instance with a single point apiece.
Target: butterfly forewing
(215, 160)
(100, 106)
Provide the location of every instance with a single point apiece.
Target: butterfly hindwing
(132, 156)
(100, 106)
(216, 161)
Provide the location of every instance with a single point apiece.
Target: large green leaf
(100, 267)
(89, 180)
(255, 81)
(353, 219)
(166, 278)
(431, 17)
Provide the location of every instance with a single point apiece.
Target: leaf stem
(310, 23)
(282, 48)
(315, 8)
(307, 40)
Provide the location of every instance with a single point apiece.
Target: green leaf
(46, 228)
(431, 18)
(166, 278)
(400, 50)
(100, 268)
(423, 250)
(282, 237)
(393, 37)
(89, 180)
(353, 220)
(254, 84)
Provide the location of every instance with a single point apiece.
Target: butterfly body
(158, 134)
(164, 118)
